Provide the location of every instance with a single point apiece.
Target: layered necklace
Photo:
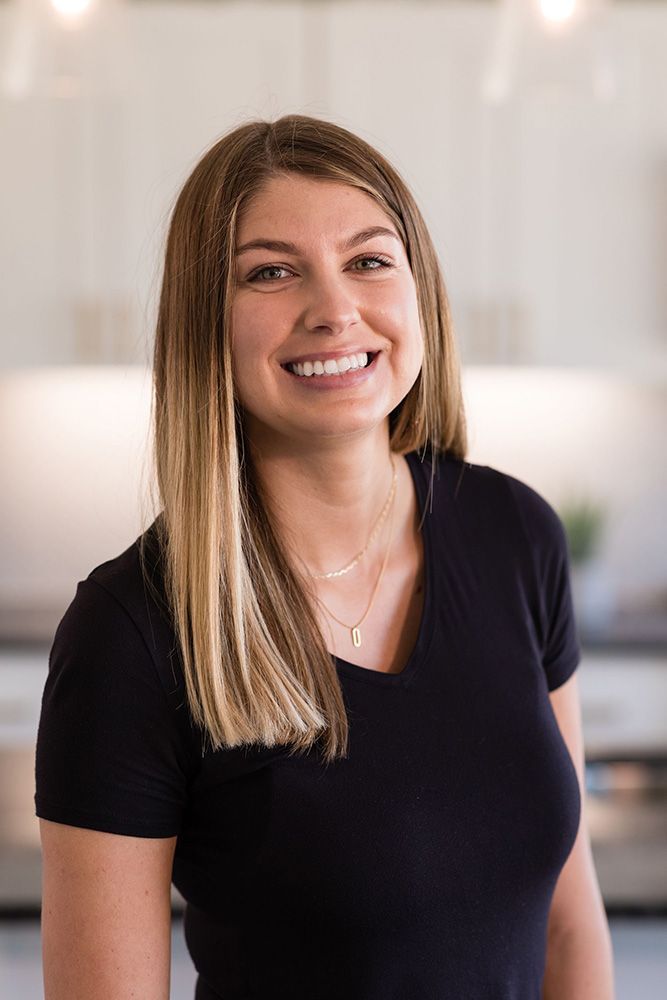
(355, 630)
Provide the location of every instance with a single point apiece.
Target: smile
(331, 366)
(334, 374)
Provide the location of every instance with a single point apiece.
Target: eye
(255, 276)
(378, 259)
(374, 258)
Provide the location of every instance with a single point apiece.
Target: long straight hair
(255, 663)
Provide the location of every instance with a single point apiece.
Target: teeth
(331, 366)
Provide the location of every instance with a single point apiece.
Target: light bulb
(557, 10)
(70, 8)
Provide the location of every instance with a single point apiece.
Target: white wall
(76, 456)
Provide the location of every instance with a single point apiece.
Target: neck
(325, 499)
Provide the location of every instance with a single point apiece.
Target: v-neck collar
(425, 632)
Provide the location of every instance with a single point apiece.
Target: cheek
(403, 311)
(407, 325)
(259, 328)
(413, 352)
(256, 339)
(243, 336)
(249, 339)
(415, 324)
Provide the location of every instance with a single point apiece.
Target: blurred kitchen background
(534, 136)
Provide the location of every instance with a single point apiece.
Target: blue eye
(378, 259)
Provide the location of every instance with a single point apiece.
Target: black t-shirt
(420, 867)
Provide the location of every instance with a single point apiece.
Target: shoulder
(483, 513)
(116, 745)
(498, 526)
(120, 605)
(490, 496)
(536, 519)
(123, 576)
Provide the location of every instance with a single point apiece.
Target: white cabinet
(543, 207)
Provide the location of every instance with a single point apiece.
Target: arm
(579, 954)
(106, 914)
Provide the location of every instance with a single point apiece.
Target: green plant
(583, 520)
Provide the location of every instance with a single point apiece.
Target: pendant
(356, 637)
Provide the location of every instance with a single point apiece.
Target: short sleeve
(550, 561)
(109, 755)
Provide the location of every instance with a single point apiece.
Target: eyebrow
(282, 246)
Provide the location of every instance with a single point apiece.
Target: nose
(330, 307)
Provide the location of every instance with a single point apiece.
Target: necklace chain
(355, 631)
(373, 535)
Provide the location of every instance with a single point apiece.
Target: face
(321, 276)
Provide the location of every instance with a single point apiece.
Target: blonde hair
(255, 663)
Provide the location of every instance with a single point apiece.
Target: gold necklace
(373, 535)
(355, 631)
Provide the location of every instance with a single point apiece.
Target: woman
(323, 689)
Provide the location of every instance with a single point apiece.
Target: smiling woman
(316, 306)
(315, 691)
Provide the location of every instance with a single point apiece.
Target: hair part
(255, 663)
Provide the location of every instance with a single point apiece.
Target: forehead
(308, 207)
